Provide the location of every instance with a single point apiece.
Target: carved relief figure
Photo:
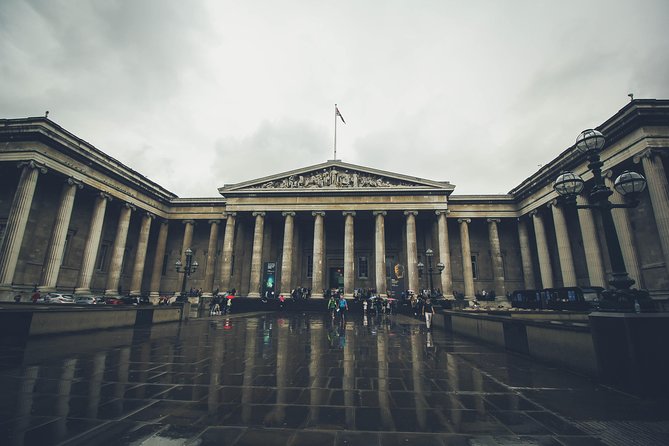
(332, 178)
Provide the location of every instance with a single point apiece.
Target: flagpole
(335, 135)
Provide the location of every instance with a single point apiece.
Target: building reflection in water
(274, 370)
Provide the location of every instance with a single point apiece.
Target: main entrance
(336, 277)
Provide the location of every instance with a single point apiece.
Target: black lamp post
(430, 271)
(189, 268)
(630, 185)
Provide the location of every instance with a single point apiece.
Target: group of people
(221, 303)
(337, 305)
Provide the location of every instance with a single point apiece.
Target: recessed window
(310, 267)
(363, 267)
(475, 266)
(101, 264)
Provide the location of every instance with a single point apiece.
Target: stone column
(118, 250)
(16, 224)
(380, 251)
(228, 251)
(444, 253)
(412, 250)
(92, 245)
(256, 256)
(526, 255)
(211, 258)
(467, 273)
(349, 253)
(140, 255)
(625, 233)
(319, 254)
(54, 256)
(287, 256)
(496, 255)
(189, 226)
(593, 252)
(545, 267)
(563, 245)
(659, 197)
(158, 260)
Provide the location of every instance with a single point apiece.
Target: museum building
(75, 220)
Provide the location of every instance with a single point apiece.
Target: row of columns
(658, 191)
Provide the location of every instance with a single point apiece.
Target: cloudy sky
(197, 94)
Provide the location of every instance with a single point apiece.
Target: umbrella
(230, 296)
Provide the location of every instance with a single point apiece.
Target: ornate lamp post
(630, 185)
(430, 271)
(189, 268)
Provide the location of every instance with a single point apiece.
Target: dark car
(113, 301)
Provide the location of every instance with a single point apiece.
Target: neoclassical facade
(73, 219)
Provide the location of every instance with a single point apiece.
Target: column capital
(229, 214)
(150, 215)
(74, 182)
(442, 211)
(351, 213)
(407, 213)
(647, 153)
(130, 206)
(288, 214)
(375, 213)
(188, 222)
(105, 196)
(493, 220)
(32, 164)
(258, 213)
(464, 220)
(211, 222)
(321, 213)
(534, 213)
(164, 221)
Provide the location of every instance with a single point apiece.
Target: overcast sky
(197, 94)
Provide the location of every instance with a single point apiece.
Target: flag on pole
(339, 114)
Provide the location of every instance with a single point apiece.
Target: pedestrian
(428, 311)
(281, 301)
(332, 306)
(18, 297)
(343, 307)
(36, 296)
(228, 305)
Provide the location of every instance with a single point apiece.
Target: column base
(317, 296)
(6, 292)
(207, 295)
(253, 295)
(112, 293)
(135, 292)
(153, 294)
(46, 289)
(82, 292)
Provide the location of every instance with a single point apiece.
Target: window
(163, 271)
(475, 267)
(66, 247)
(390, 264)
(363, 270)
(232, 265)
(310, 267)
(3, 229)
(101, 264)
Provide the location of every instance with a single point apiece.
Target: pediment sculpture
(333, 178)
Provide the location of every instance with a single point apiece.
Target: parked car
(89, 300)
(56, 298)
(113, 301)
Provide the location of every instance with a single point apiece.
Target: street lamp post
(189, 268)
(629, 184)
(430, 271)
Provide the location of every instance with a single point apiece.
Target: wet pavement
(301, 379)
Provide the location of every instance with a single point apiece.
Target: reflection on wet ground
(302, 379)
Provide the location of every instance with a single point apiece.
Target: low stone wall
(564, 344)
(21, 321)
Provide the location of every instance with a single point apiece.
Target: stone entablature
(333, 178)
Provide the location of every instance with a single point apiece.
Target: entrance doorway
(336, 277)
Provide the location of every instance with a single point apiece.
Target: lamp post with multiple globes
(629, 184)
(430, 271)
(186, 269)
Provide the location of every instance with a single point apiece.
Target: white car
(86, 300)
(56, 298)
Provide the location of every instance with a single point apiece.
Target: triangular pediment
(335, 176)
